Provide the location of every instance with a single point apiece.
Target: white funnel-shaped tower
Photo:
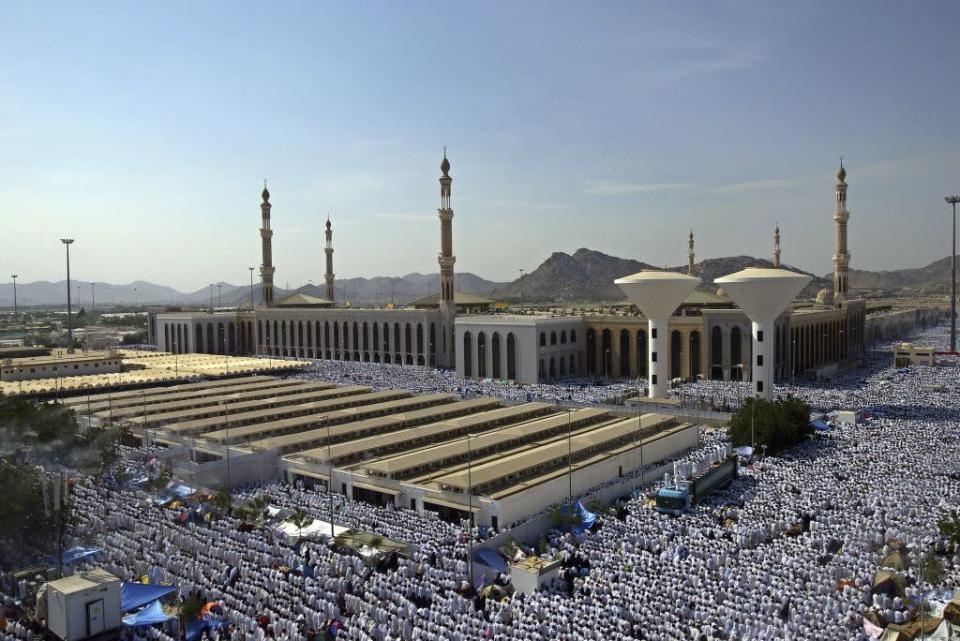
(657, 294)
(763, 294)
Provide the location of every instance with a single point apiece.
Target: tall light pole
(521, 286)
(326, 423)
(953, 200)
(470, 505)
(68, 242)
(14, 277)
(251, 286)
(219, 299)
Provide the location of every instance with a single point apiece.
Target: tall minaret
(266, 236)
(329, 252)
(841, 258)
(776, 247)
(690, 256)
(448, 310)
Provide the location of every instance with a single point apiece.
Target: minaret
(266, 236)
(776, 247)
(329, 252)
(690, 256)
(841, 258)
(448, 310)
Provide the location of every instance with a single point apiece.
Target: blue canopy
(150, 615)
(491, 558)
(134, 595)
(587, 518)
(77, 554)
(196, 627)
(820, 426)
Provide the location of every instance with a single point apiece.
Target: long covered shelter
(233, 397)
(240, 413)
(425, 435)
(254, 420)
(389, 422)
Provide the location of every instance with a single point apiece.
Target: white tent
(314, 530)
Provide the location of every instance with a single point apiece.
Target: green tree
(950, 527)
(931, 569)
(300, 520)
(221, 500)
(776, 424)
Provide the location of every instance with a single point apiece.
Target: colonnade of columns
(489, 355)
(402, 343)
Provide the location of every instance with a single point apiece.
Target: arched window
(467, 355)
(543, 339)
(553, 338)
(563, 337)
(625, 353)
(676, 354)
(573, 336)
(481, 355)
(419, 338)
(495, 346)
(591, 352)
(694, 355)
(511, 357)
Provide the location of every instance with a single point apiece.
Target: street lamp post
(68, 242)
(226, 428)
(15, 312)
(570, 463)
(521, 286)
(326, 423)
(953, 200)
(470, 506)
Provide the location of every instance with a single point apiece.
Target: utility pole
(326, 422)
(470, 505)
(14, 277)
(68, 242)
(953, 200)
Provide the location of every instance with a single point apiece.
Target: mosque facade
(709, 336)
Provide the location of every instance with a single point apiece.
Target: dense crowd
(789, 551)
(576, 391)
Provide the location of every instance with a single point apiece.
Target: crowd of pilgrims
(789, 551)
(577, 391)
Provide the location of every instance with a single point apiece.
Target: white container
(83, 605)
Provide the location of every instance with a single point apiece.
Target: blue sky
(145, 130)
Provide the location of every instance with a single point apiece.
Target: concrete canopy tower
(657, 294)
(763, 294)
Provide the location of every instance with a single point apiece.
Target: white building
(525, 349)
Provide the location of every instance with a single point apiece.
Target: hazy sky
(145, 130)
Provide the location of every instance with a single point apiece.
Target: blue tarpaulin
(587, 518)
(492, 558)
(134, 595)
(150, 615)
(76, 554)
(196, 627)
(820, 426)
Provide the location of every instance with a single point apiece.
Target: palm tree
(300, 519)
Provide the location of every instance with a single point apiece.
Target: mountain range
(585, 275)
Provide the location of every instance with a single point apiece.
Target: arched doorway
(467, 355)
(591, 352)
(625, 353)
(511, 357)
(736, 354)
(676, 354)
(495, 346)
(694, 355)
(481, 355)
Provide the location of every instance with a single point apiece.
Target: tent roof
(492, 558)
(134, 595)
(459, 298)
(304, 300)
(150, 615)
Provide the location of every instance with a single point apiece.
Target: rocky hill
(932, 279)
(588, 275)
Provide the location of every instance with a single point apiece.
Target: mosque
(709, 337)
